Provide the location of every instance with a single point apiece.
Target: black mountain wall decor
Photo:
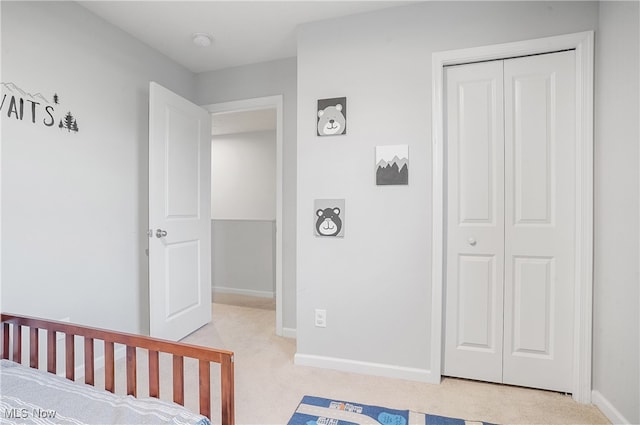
(392, 165)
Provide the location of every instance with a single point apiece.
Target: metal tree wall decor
(69, 123)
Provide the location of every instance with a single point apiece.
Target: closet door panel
(475, 224)
(533, 171)
(539, 229)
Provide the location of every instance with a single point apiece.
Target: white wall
(243, 176)
(259, 80)
(74, 206)
(375, 283)
(616, 336)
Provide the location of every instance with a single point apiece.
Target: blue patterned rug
(322, 411)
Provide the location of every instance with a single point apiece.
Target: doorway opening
(246, 203)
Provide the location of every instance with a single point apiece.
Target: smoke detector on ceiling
(201, 39)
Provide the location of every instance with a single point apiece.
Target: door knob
(471, 241)
(161, 233)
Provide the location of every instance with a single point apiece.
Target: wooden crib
(12, 341)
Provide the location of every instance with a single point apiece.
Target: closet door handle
(161, 233)
(472, 241)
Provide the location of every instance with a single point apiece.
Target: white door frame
(251, 105)
(583, 44)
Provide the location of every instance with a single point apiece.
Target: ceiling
(243, 121)
(244, 32)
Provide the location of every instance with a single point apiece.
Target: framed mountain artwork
(392, 165)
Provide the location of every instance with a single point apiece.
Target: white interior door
(179, 215)
(540, 202)
(475, 222)
(510, 255)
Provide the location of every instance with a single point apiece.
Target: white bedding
(32, 396)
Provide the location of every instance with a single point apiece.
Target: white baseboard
(289, 333)
(249, 292)
(366, 368)
(607, 408)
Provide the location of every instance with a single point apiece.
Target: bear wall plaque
(332, 116)
(329, 217)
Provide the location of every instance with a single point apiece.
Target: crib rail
(204, 355)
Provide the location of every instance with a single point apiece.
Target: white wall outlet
(321, 318)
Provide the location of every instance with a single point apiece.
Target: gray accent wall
(243, 257)
(259, 80)
(75, 205)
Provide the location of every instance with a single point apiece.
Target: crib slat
(70, 356)
(17, 344)
(204, 377)
(131, 371)
(178, 379)
(154, 374)
(227, 390)
(89, 370)
(109, 367)
(5, 341)
(33, 347)
(51, 352)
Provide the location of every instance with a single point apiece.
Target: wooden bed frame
(179, 351)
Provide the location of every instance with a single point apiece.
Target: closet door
(475, 221)
(540, 201)
(510, 256)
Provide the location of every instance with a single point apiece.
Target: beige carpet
(269, 386)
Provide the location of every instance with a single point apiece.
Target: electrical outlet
(321, 318)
